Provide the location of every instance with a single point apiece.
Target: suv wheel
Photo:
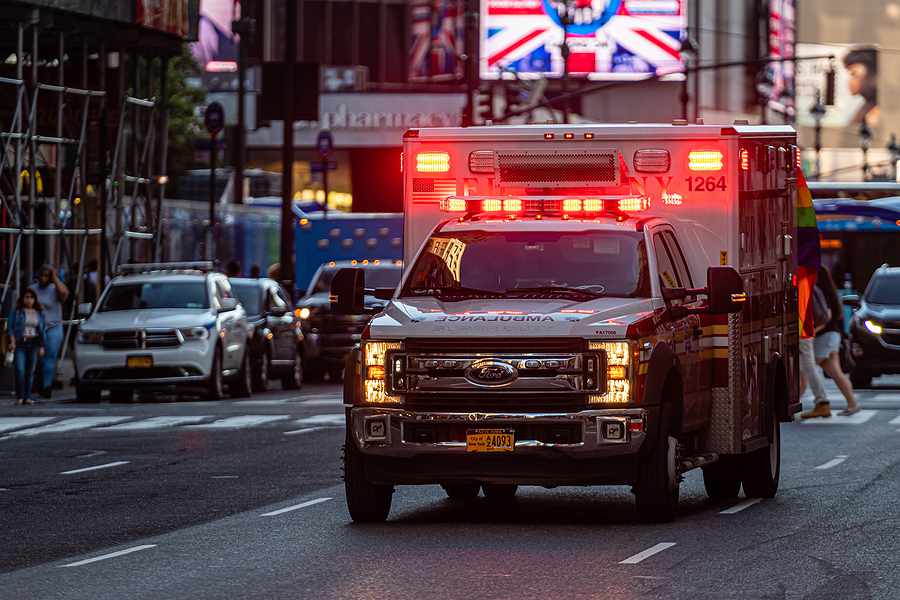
(500, 493)
(242, 386)
(294, 379)
(860, 379)
(87, 393)
(261, 374)
(215, 389)
(722, 480)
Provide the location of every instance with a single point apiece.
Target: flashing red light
(633, 204)
(569, 136)
(491, 205)
(745, 159)
(548, 136)
(571, 205)
(592, 205)
(454, 205)
(432, 162)
(512, 205)
(589, 136)
(705, 160)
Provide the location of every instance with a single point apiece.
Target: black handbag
(847, 361)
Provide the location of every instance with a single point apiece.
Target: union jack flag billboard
(607, 39)
(437, 40)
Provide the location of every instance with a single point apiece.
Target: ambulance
(581, 305)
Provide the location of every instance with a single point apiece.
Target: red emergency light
(745, 159)
(544, 205)
(705, 160)
(432, 162)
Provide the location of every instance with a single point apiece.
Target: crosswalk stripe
(10, 423)
(240, 421)
(158, 423)
(895, 421)
(885, 397)
(836, 419)
(266, 402)
(333, 419)
(73, 424)
(323, 402)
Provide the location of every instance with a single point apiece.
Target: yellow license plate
(139, 362)
(490, 440)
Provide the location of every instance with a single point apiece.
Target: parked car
(172, 326)
(331, 334)
(875, 327)
(276, 340)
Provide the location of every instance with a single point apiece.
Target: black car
(331, 335)
(875, 327)
(276, 343)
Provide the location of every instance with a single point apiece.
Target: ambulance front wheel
(762, 468)
(367, 502)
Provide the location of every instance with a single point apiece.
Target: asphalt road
(244, 499)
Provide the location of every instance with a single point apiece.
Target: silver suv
(166, 326)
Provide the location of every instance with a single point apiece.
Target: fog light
(613, 430)
(376, 429)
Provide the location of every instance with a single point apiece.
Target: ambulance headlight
(374, 367)
(620, 359)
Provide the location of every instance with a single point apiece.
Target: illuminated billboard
(607, 39)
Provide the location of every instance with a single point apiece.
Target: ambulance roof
(555, 224)
(660, 131)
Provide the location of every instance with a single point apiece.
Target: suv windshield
(156, 294)
(885, 290)
(609, 263)
(376, 277)
(248, 295)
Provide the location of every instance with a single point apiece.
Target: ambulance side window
(678, 256)
(668, 275)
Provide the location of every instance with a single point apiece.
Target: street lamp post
(865, 141)
(818, 113)
(894, 149)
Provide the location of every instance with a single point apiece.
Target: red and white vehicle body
(555, 312)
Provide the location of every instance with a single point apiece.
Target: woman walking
(27, 332)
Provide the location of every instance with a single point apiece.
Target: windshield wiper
(554, 289)
(457, 291)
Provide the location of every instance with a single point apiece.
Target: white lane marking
(885, 397)
(96, 467)
(894, 421)
(92, 454)
(72, 424)
(265, 402)
(832, 463)
(636, 558)
(323, 402)
(88, 561)
(334, 419)
(281, 511)
(306, 430)
(8, 423)
(740, 506)
(836, 419)
(240, 421)
(224, 476)
(157, 423)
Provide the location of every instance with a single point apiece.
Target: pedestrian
(51, 293)
(91, 282)
(255, 272)
(828, 342)
(26, 329)
(274, 271)
(233, 268)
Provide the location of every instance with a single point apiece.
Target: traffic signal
(829, 86)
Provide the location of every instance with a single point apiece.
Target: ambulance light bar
(432, 162)
(705, 160)
(544, 205)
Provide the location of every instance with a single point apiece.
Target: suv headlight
(873, 327)
(194, 333)
(90, 337)
(619, 365)
(374, 367)
(302, 313)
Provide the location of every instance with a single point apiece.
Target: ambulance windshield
(531, 264)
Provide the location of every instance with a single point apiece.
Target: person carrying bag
(27, 331)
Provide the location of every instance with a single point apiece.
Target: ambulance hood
(505, 317)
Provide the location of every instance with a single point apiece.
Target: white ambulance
(581, 305)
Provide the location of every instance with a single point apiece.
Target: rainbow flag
(808, 255)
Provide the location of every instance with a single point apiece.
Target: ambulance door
(682, 341)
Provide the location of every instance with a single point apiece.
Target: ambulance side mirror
(725, 290)
(346, 293)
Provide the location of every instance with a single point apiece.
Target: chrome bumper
(380, 432)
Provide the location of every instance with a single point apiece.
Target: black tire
(366, 502)
(461, 492)
(87, 394)
(500, 493)
(261, 374)
(242, 386)
(860, 380)
(336, 374)
(722, 480)
(313, 372)
(215, 387)
(657, 488)
(294, 379)
(762, 468)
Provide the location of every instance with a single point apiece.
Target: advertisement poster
(436, 45)
(217, 48)
(855, 89)
(171, 16)
(782, 31)
(607, 39)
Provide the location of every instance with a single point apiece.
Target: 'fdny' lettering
(487, 318)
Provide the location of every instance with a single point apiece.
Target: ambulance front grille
(558, 169)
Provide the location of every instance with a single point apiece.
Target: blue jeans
(26, 360)
(52, 343)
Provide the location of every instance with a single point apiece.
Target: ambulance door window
(668, 275)
(678, 256)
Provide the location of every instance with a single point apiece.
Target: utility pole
(245, 28)
(865, 141)
(564, 51)
(818, 113)
(286, 262)
(470, 66)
